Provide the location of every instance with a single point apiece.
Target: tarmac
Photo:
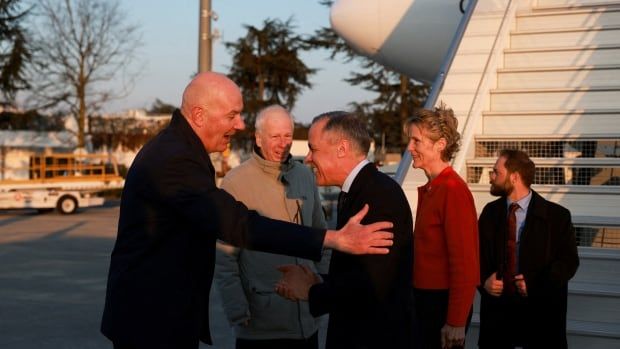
(53, 271)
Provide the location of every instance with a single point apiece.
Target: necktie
(342, 198)
(511, 250)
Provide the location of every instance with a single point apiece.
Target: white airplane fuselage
(409, 36)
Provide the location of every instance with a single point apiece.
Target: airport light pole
(205, 37)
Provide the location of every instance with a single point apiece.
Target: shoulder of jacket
(493, 206)
(299, 168)
(238, 175)
(555, 208)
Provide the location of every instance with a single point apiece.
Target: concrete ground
(53, 272)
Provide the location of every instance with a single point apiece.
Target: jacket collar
(362, 178)
(179, 125)
(537, 208)
(276, 169)
(535, 211)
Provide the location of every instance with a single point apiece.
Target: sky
(169, 55)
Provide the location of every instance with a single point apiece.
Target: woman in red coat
(446, 263)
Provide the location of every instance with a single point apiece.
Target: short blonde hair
(438, 122)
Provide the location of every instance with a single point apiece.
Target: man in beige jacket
(276, 186)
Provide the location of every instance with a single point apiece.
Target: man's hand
(493, 286)
(452, 336)
(520, 285)
(355, 238)
(296, 282)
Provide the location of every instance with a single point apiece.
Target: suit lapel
(354, 199)
(536, 210)
(502, 231)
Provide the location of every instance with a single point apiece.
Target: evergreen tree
(268, 68)
(160, 107)
(15, 52)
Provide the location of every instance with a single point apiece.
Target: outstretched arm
(355, 238)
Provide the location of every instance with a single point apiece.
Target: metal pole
(405, 163)
(204, 39)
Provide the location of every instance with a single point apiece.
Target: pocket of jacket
(270, 312)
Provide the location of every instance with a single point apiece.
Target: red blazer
(446, 243)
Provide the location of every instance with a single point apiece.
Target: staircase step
(588, 301)
(598, 266)
(552, 137)
(594, 122)
(596, 222)
(551, 162)
(577, 329)
(481, 24)
(473, 60)
(559, 77)
(568, 18)
(478, 41)
(554, 99)
(548, 4)
(580, 334)
(561, 56)
(601, 35)
(584, 200)
(462, 80)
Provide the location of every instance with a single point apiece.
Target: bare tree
(81, 46)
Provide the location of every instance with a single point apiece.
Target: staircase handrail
(475, 109)
(405, 163)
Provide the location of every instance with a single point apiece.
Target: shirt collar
(524, 203)
(346, 186)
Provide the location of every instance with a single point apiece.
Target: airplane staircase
(544, 76)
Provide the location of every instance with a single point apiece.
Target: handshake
(296, 282)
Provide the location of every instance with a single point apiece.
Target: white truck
(61, 181)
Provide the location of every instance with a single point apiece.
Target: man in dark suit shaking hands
(171, 215)
(368, 298)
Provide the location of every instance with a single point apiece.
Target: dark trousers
(193, 345)
(120, 346)
(311, 342)
(507, 328)
(431, 311)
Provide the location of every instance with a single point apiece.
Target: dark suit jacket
(547, 259)
(368, 298)
(162, 264)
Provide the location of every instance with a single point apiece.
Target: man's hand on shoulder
(355, 238)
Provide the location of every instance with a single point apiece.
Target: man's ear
(344, 146)
(515, 177)
(197, 116)
(258, 139)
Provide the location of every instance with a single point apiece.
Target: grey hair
(349, 126)
(260, 118)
